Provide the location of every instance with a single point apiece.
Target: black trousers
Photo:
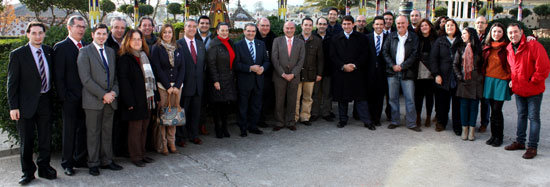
(120, 135)
(443, 105)
(497, 118)
(192, 107)
(378, 89)
(74, 134)
(424, 88)
(41, 124)
(268, 97)
(250, 105)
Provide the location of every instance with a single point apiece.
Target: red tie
(193, 53)
(79, 45)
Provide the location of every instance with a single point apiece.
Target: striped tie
(377, 45)
(251, 49)
(42, 71)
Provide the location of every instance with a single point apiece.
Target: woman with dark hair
(441, 60)
(137, 86)
(439, 25)
(167, 59)
(222, 87)
(424, 84)
(467, 67)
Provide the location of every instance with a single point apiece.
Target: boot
(164, 150)
(471, 136)
(418, 120)
(218, 129)
(428, 122)
(203, 130)
(464, 132)
(172, 148)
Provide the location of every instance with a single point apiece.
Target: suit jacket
(67, 81)
(194, 73)
(164, 72)
(24, 82)
(93, 75)
(246, 80)
(282, 63)
(409, 67)
(378, 62)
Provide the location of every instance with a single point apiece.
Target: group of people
(113, 88)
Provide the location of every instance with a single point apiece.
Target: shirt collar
(381, 34)
(347, 35)
(291, 39)
(114, 39)
(34, 49)
(97, 46)
(74, 41)
(404, 36)
(248, 41)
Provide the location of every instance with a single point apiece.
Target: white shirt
(386, 31)
(104, 52)
(188, 41)
(46, 67)
(347, 35)
(400, 53)
(75, 42)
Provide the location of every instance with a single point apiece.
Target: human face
(497, 33)
(402, 24)
(100, 36)
(332, 16)
(415, 17)
(167, 34)
(223, 31)
(307, 27)
(481, 25)
(378, 26)
(361, 21)
(117, 29)
(450, 29)
(77, 30)
(389, 21)
(36, 35)
(190, 29)
(514, 34)
(250, 32)
(264, 26)
(289, 29)
(347, 26)
(322, 25)
(136, 42)
(442, 23)
(425, 28)
(465, 35)
(204, 25)
(146, 27)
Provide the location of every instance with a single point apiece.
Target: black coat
(194, 73)
(131, 85)
(472, 88)
(246, 80)
(409, 67)
(441, 60)
(348, 86)
(67, 81)
(328, 66)
(219, 70)
(424, 57)
(268, 41)
(112, 43)
(164, 72)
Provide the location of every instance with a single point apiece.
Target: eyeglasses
(322, 24)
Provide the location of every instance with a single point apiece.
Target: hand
(169, 90)
(131, 108)
(531, 38)
(510, 84)
(319, 78)
(175, 91)
(290, 77)
(260, 70)
(14, 114)
(254, 68)
(108, 98)
(438, 80)
(348, 68)
(217, 85)
(396, 68)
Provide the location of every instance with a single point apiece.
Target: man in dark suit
(69, 89)
(29, 92)
(96, 68)
(250, 63)
(194, 55)
(415, 18)
(288, 58)
(118, 29)
(204, 35)
(377, 76)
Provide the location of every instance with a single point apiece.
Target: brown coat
(314, 61)
(473, 88)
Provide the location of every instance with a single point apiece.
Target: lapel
(111, 59)
(95, 53)
(258, 54)
(187, 53)
(29, 57)
(294, 49)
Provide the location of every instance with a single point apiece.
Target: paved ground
(323, 155)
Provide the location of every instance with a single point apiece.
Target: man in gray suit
(96, 68)
(288, 55)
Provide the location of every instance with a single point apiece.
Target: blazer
(164, 72)
(67, 81)
(409, 67)
(24, 82)
(246, 80)
(194, 73)
(282, 63)
(379, 61)
(132, 88)
(314, 61)
(93, 75)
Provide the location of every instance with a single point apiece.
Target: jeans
(528, 108)
(395, 83)
(468, 111)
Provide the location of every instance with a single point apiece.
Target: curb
(9, 152)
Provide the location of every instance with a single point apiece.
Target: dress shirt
(400, 53)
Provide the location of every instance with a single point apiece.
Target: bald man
(415, 19)
(361, 25)
(267, 36)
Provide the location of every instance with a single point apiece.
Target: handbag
(172, 116)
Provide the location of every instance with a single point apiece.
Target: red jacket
(530, 67)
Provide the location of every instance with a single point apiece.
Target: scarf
(498, 45)
(225, 42)
(468, 62)
(170, 48)
(148, 76)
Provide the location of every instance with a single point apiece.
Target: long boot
(428, 122)
(464, 132)
(418, 120)
(218, 126)
(471, 136)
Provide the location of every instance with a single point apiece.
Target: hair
(249, 25)
(432, 34)
(35, 24)
(125, 45)
(489, 38)
(73, 18)
(189, 20)
(117, 19)
(333, 8)
(379, 18)
(317, 21)
(204, 17)
(473, 39)
(458, 33)
(387, 13)
(440, 31)
(163, 28)
(307, 18)
(348, 18)
(221, 24)
(100, 26)
(146, 18)
(515, 25)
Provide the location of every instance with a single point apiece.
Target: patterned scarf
(468, 62)
(148, 76)
(170, 48)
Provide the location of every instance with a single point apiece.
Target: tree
(174, 9)
(146, 9)
(199, 7)
(37, 6)
(440, 11)
(2, 5)
(482, 11)
(123, 8)
(7, 17)
(542, 10)
(107, 6)
(525, 12)
(499, 9)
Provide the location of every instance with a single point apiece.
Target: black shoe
(94, 171)
(377, 123)
(497, 142)
(341, 124)
(243, 134)
(226, 133)
(148, 160)
(313, 118)
(392, 126)
(458, 133)
(112, 166)
(263, 124)
(255, 131)
(328, 118)
(332, 115)
(26, 179)
(47, 173)
(416, 129)
(81, 165)
(139, 163)
(370, 126)
(490, 141)
(306, 123)
(69, 171)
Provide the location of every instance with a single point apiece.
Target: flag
(136, 13)
(520, 10)
(94, 12)
(282, 9)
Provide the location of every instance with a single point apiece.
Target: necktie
(42, 71)
(377, 45)
(106, 67)
(79, 45)
(251, 49)
(193, 53)
(289, 46)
